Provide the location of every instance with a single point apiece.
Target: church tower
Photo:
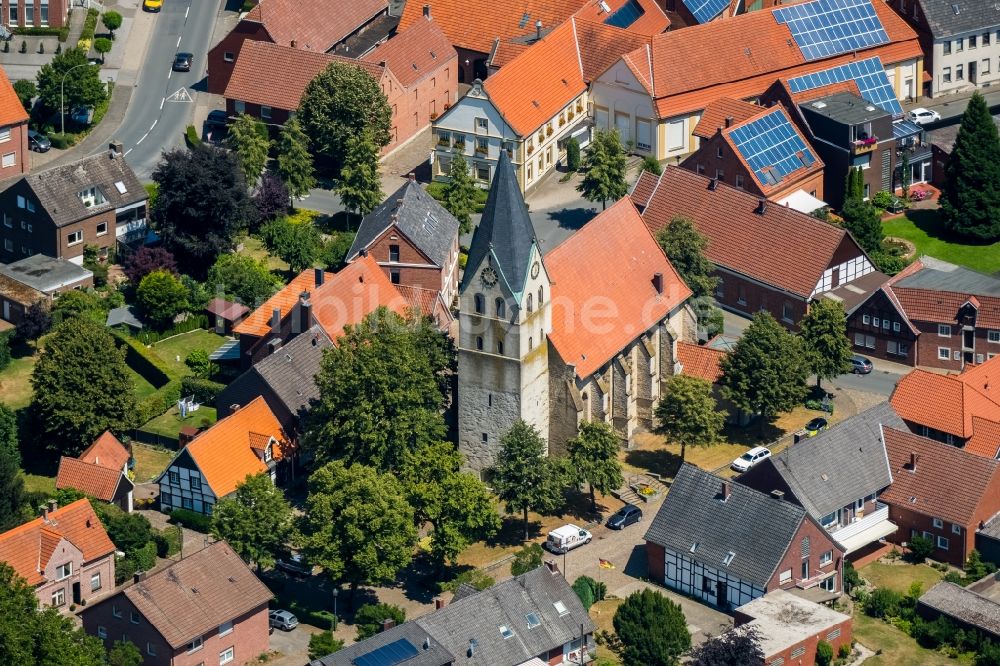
(504, 318)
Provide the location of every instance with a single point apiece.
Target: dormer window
(729, 558)
(267, 452)
(92, 196)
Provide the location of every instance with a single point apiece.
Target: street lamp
(62, 98)
(336, 593)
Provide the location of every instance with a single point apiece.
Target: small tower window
(501, 309)
(479, 342)
(531, 344)
(500, 347)
(480, 304)
(541, 296)
(529, 306)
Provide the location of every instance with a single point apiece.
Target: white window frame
(895, 327)
(102, 632)
(105, 226)
(226, 628)
(943, 542)
(150, 649)
(876, 322)
(64, 571)
(993, 335)
(265, 112)
(95, 578)
(956, 529)
(938, 523)
(115, 610)
(4, 135)
(239, 106)
(79, 237)
(227, 655)
(785, 576)
(944, 353)
(228, 56)
(59, 597)
(9, 160)
(133, 616)
(826, 558)
(195, 645)
(944, 330)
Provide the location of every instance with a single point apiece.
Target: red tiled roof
(714, 117)
(11, 110)
(985, 440)
(594, 317)
(643, 189)
(287, 71)
(980, 377)
(106, 451)
(783, 247)
(314, 25)
(227, 310)
(943, 306)
(28, 547)
(413, 53)
(347, 297)
(700, 361)
(948, 483)
(942, 402)
(259, 321)
(651, 22)
(600, 46)
(93, 480)
(505, 52)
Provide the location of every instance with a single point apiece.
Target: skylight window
(561, 608)
(694, 547)
(729, 558)
(533, 620)
(505, 631)
(120, 186)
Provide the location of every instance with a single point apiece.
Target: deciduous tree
(523, 477)
(243, 278)
(295, 163)
(528, 558)
(687, 413)
(26, 91)
(11, 481)
(112, 21)
(145, 260)
(369, 618)
(103, 46)
(864, 221)
(605, 165)
(970, 199)
(82, 87)
(460, 193)
(323, 643)
(824, 339)
(360, 186)
(270, 199)
(685, 248)
(248, 138)
(593, 456)
(162, 297)
(652, 630)
(35, 323)
(299, 244)
(124, 653)
(256, 520)
(736, 647)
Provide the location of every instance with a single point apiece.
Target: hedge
(143, 361)
(193, 322)
(191, 137)
(89, 25)
(195, 521)
(168, 541)
(205, 391)
(61, 33)
(159, 402)
(124, 569)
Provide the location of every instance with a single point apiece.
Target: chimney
(388, 624)
(302, 314)
(713, 184)
(552, 566)
(439, 603)
(658, 282)
(292, 43)
(412, 176)
(318, 276)
(427, 11)
(761, 206)
(273, 345)
(729, 121)
(233, 407)
(276, 321)
(116, 149)
(725, 491)
(53, 505)
(914, 459)
(138, 576)
(538, 29)
(44, 512)
(778, 494)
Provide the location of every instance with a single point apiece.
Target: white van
(566, 538)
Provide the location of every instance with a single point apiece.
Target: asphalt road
(162, 103)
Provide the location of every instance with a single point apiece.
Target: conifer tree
(970, 200)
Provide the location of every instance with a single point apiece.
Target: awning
(535, 661)
(904, 128)
(802, 201)
(229, 351)
(877, 531)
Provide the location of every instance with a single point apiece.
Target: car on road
(294, 564)
(922, 116)
(816, 426)
(752, 457)
(567, 538)
(860, 365)
(38, 142)
(152, 5)
(282, 619)
(182, 62)
(625, 516)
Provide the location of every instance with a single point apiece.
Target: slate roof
(125, 314)
(965, 605)
(316, 25)
(694, 513)
(992, 528)
(90, 479)
(853, 294)
(195, 595)
(418, 216)
(957, 16)
(839, 465)
(413, 53)
(58, 188)
(46, 274)
(505, 230)
(430, 652)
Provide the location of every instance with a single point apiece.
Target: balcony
(862, 146)
(864, 531)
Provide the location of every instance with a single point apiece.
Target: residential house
(988, 540)
(838, 476)
(933, 314)
(94, 201)
(14, 156)
(667, 84)
(224, 315)
(727, 544)
(309, 25)
(415, 70)
(767, 256)
(248, 442)
(791, 627)
(64, 554)
(207, 608)
(35, 13)
(532, 343)
(531, 619)
(764, 154)
(286, 380)
(101, 472)
(498, 116)
(414, 239)
(940, 492)
(972, 608)
(37, 278)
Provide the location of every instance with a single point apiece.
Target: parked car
(152, 5)
(38, 142)
(182, 62)
(567, 538)
(860, 365)
(750, 458)
(922, 116)
(816, 426)
(625, 516)
(282, 619)
(215, 129)
(294, 564)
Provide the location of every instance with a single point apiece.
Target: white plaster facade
(966, 60)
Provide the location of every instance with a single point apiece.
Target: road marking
(181, 95)
(169, 74)
(128, 151)
(186, 13)
(178, 40)
(162, 100)
(142, 139)
(154, 124)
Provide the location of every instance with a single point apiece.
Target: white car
(923, 116)
(567, 538)
(751, 458)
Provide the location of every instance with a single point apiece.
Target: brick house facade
(35, 13)
(14, 160)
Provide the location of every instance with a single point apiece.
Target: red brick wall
(219, 70)
(57, 12)
(908, 520)
(412, 107)
(425, 275)
(758, 297)
(819, 543)
(656, 562)
(17, 144)
(805, 651)
(880, 306)
(90, 237)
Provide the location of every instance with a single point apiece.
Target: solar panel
(868, 74)
(388, 655)
(824, 28)
(705, 10)
(772, 147)
(625, 15)
(902, 129)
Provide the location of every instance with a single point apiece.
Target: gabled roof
(106, 451)
(413, 53)
(287, 71)
(259, 322)
(313, 24)
(58, 188)
(505, 231)
(407, 638)
(695, 522)
(226, 310)
(713, 118)
(92, 480)
(700, 361)
(965, 605)
(783, 247)
(620, 248)
(195, 595)
(942, 402)
(11, 109)
(985, 440)
(952, 18)
(649, 20)
(948, 483)
(348, 296)
(936, 290)
(425, 222)
(28, 547)
(223, 452)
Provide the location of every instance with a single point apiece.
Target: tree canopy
(605, 164)
(687, 413)
(11, 481)
(162, 297)
(593, 456)
(244, 278)
(369, 618)
(685, 248)
(299, 244)
(270, 199)
(864, 221)
(824, 339)
(145, 260)
(523, 477)
(359, 185)
(652, 630)
(295, 163)
(248, 138)
(970, 199)
(736, 647)
(35, 323)
(82, 87)
(256, 520)
(460, 193)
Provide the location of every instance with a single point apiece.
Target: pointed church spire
(505, 230)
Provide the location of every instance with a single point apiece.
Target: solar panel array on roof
(705, 10)
(772, 147)
(389, 654)
(904, 128)
(868, 74)
(625, 15)
(824, 28)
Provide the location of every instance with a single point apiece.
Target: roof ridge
(952, 450)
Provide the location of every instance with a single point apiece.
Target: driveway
(292, 647)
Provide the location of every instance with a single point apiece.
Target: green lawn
(143, 389)
(174, 350)
(896, 647)
(253, 247)
(899, 577)
(15, 382)
(36, 483)
(149, 461)
(923, 228)
(169, 423)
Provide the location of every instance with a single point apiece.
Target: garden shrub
(476, 578)
(369, 618)
(921, 548)
(124, 570)
(89, 27)
(824, 654)
(147, 364)
(204, 391)
(526, 559)
(191, 520)
(883, 602)
(191, 137)
(585, 592)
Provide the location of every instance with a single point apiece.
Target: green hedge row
(90, 25)
(195, 521)
(154, 405)
(205, 391)
(190, 324)
(143, 361)
(61, 33)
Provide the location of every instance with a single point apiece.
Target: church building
(588, 331)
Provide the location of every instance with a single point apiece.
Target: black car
(182, 62)
(38, 142)
(816, 426)
(627, 515)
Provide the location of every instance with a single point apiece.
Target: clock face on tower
(488, 276)
(535, 267)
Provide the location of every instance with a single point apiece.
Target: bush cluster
(147, 364)
(89, 26)
(204, 391)
(195, 521)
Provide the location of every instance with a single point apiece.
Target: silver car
(283, 620)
